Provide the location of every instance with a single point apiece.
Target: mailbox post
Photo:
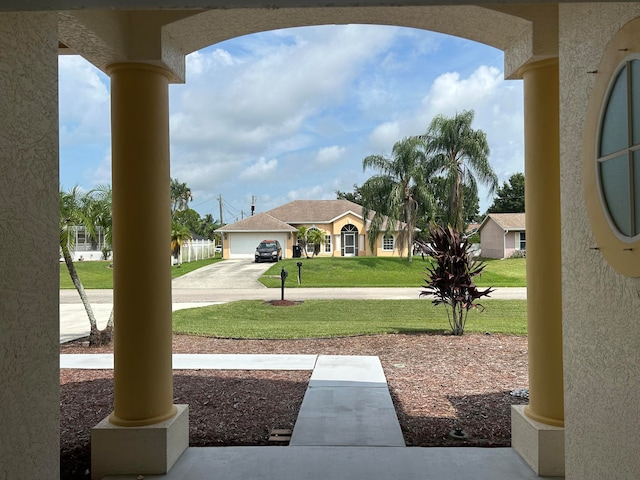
(283, 276)
(299, 272)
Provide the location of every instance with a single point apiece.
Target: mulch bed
(438, 383)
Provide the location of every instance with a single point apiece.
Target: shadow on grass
(234, 409)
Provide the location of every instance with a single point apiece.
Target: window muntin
(388, 243)
(618, 145)
(522, 241)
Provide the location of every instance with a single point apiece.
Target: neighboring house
(86, 247)
(502, 234)
(341, 221)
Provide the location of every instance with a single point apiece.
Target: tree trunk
(96, 337)
(409, 221)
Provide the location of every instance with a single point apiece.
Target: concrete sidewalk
(183, 361)
(197, 295)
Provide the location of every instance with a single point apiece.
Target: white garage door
(243, 245)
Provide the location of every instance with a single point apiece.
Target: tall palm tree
(180, 196)
(75, 211)
(398, 194)
(461, 155)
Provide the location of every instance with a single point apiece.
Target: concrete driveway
(240, 273)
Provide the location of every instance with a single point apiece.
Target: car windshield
(269, 246)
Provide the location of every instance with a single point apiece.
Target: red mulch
(437, 382)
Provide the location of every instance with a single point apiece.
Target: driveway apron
(243, 273)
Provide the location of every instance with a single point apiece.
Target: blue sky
(290, 114)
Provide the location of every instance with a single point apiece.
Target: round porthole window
(611, 153)
(618, 160)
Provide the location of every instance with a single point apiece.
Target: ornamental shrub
(450, 276)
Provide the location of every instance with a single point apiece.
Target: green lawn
(383, 272)
(335, 318)
(100, 274)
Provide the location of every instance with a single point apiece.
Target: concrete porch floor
(345, 463)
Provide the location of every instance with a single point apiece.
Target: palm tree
(316, 238)
(101, 216)
(207, 227)
(301, 236)
(75, 211)
(398, 195)
(461, 155)
(180, 196)
(179, 234)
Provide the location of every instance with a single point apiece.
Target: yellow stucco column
(143, 382)
(542, 197)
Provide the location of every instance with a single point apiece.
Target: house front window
(522, 241)
(327, 244)
(388, 243)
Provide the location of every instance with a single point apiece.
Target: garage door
(243, 245)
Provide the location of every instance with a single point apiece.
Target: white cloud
(84, 102)
(330, 155)
(314, 192)
(267, 94)
(299, 109)
(449, 92)
(102, 174)
(262, 169)
(384, 136)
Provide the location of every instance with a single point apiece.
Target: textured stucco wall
(29, 323)
(601, 308)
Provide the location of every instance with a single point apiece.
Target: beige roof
(261, 222)
(315, 211)
(507, 221)
(281, 219)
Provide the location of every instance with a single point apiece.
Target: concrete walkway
(347, 403)
(335, 380)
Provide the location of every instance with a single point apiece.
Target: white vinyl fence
(194, 250)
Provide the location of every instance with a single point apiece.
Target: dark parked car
(268, 251)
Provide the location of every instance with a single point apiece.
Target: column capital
(106, 37)
(540, 63)
(118, 66)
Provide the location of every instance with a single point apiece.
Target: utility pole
(241, 214)
(253, 204)
(220, 203)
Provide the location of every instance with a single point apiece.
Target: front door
(349, 244)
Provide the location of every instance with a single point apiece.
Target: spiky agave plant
(450, 277)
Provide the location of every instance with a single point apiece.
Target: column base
(540, 445)
(151, 449)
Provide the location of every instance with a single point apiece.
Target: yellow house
(343, 226)
(578, 62)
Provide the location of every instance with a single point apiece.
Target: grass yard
(337, 318)
(384, 272)
(99, 274)
(326, 272)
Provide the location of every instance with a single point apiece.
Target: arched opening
(349, 241)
